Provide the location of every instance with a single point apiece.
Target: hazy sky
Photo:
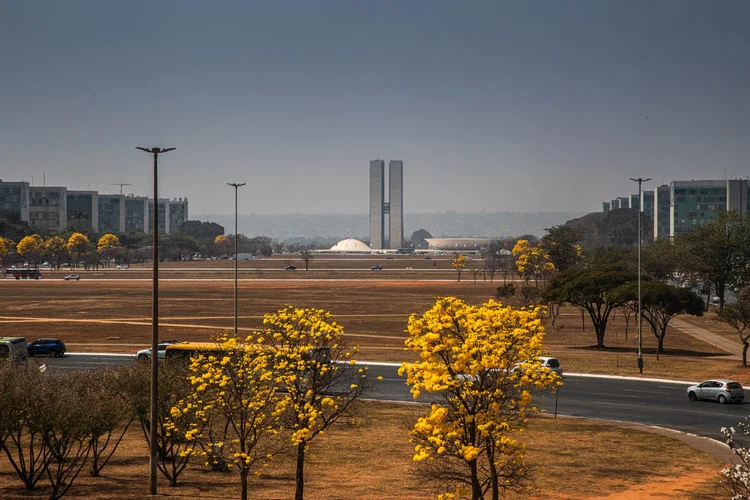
(520, 106)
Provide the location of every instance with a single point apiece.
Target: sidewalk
(733, 348)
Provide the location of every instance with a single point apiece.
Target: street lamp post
(640, 182)
(154, 324)
(236, 260)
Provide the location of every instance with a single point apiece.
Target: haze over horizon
(534, 106)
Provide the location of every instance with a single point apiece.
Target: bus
(13, 348)
(23, 273)
(189, 350)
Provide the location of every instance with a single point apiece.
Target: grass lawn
(371, 458)
(116, 317)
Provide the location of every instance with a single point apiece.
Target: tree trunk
(300, 474)
(660, 344)
(744, 353)
(721, 291)
(243, 481)
(476, 488)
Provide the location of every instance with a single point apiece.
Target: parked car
(145, 354)
(46, 347)
(389, 258)
(428, 258)
(290, 268)
(72, 277)
(377, 268)
(723, 391)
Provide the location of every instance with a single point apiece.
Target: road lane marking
(645, 392)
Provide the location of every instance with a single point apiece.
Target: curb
(623, 377)
(99, 354)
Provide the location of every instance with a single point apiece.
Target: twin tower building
(379, 207)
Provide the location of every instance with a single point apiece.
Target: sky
(530, 106)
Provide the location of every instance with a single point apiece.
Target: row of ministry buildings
(53, 208)
(679, 206)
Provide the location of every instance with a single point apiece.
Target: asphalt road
(660, 403)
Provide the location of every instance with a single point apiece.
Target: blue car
(46, 347)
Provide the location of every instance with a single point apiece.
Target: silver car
(723, 391)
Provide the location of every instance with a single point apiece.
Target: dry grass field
(115, 316)
(371, 460)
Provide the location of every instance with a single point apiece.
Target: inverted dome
(350, 245)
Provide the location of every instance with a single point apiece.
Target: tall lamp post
(640, 182)
(236, 260)
(154, 323)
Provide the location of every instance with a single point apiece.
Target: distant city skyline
(535, 106)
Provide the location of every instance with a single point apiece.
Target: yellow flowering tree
(174, 448)
(318, 371)
(107, 245)
(54, 248)
(10, 249)
(31, 248)
(532, 261)
(481, 363)
(78, 244)
(236, 392)
(223, 244)
(458, 261)
(107, 242)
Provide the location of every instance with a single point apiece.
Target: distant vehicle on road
(145, 354)
(552, 364)
(23, 273)
(290, 268)
(428, 258)
(723, 391)
(122, 267)
(377, 268)
(13, 349)
(71, 277)
(46, 347)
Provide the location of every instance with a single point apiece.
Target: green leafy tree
(419, 238)
(660, 303)
(737, 315)
(593, 290)
(663, 258)
(201, 230)
(720, 252)
(562, 245)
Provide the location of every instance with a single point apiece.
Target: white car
(72, 277)
(145, 354)
(552, 364)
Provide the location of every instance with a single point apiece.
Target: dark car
(46, 347)
(377, 268)
(290, 268)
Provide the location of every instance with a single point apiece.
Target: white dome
(350, 245)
